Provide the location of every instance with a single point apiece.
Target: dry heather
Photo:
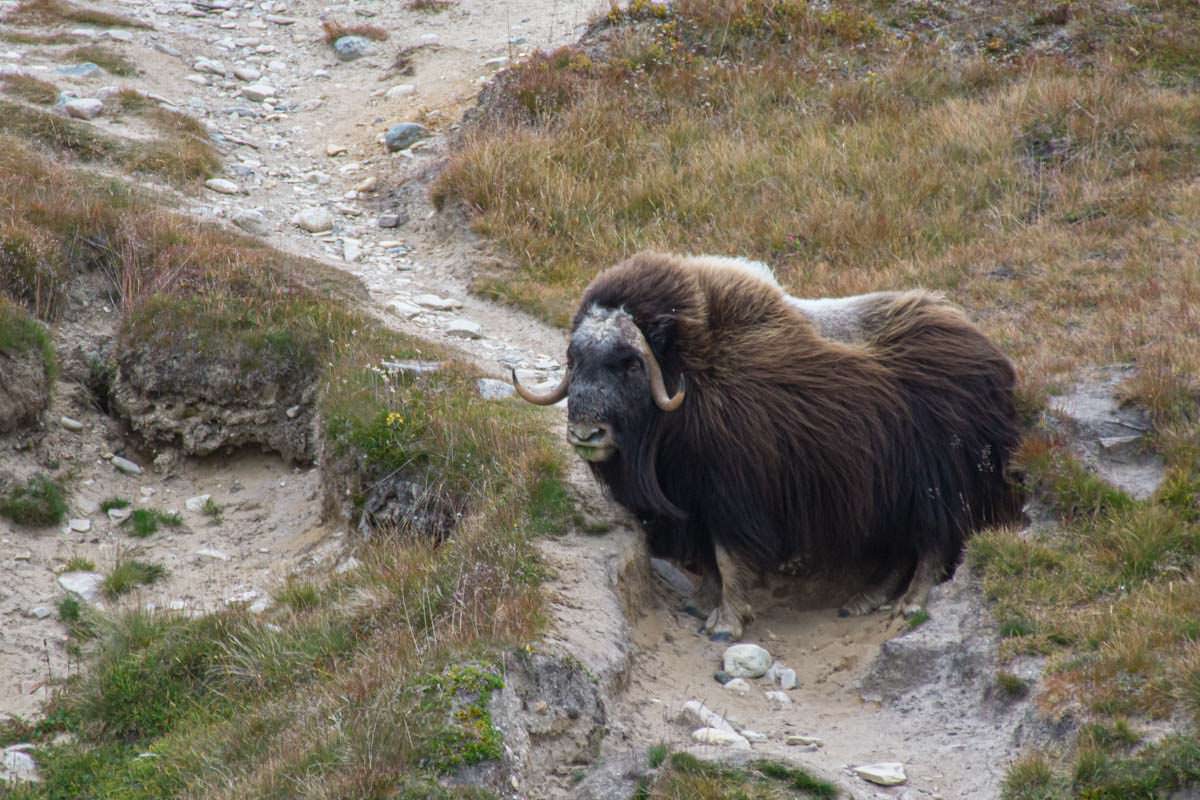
(1038, 163)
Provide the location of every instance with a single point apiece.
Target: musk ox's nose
(589, 434)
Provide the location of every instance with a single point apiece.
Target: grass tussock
(53, 12)
(335, 30)
(430, 6)
(681, 775)
(36, 38)
(128, 574)
(145, 522)
(37, 503)
(106, 58)
(30, 89)
(20, 333)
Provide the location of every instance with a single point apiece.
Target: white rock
(779, 697)
(86, 585)
(889, 773)
(314, 220)
(222, 186)
(349, 565)
(401, 90)
(492, 389)
(753, 736)
(18, 766)
(722, 738)
(746, 661)
(436, 303)
(40, 612)
(213, 553)
(797, 739)
(80, 525)
(403, 309)
(248, 74)
(118, 35)
(462, 328)
(259, 92)
(738, 686)
(119, 515)
(251, 220)
(334, 150)
(126, 466)
(87, 506)
(696, 713)
(260, 605)
(351, 250)
(196, 504)
(368, 184)
(83, 108)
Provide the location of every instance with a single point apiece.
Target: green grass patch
(1011, 686)
(916, 620)
(145, 522)
(20, 333)
(108, 504)
(37, 503)
(298, 595)
(130, 573)
(79, 564)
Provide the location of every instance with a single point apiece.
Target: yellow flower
(394, 419)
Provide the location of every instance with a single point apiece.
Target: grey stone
(738, 686)
(85, 70)
(411, 367)
(40, 612)
(349, 48)
(81, 525)
(18, 766)
(436, 303)
(71, 424)
(746, 661)
(722, 677)
(209, 66)
(314, 220)
(119, 515)
(252, 221)
(888, 773)
(404, 135)
(222, 186)
(462, 328)
(402, 90)
(1108, 436)
(351, 250)
(492, 389)
(259, 92)
(248, 74)
(83, 108)
(696, 713)
(797, 739)
(403, 309)
(753, 736)
(776, 696)
(392, 220)
(126, 466)
(85, 585)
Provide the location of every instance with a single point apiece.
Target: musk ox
(747, 429)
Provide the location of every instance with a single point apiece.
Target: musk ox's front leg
(725, 623)
(929, 572)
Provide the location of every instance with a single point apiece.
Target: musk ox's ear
(660, 333)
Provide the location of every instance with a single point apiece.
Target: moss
(39, 502)
(456, 704)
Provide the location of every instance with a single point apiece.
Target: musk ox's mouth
(594, 454)
(593, 441)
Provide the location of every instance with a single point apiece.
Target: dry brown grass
(51, 12)
(430, 6)
(335, 30)
(30, 37)
(30, 89)
(104, 57)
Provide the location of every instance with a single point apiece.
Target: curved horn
(658, 387)
(548, 399)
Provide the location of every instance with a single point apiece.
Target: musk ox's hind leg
(930, 571)
(886, 583)
(725, 622)
(707, 595)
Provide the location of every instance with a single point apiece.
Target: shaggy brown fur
(791, 445)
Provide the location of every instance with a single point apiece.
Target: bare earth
(608, 610)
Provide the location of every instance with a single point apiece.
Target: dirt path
(319, 147)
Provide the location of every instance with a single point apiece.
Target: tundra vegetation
(1035, 161)
(371, 684)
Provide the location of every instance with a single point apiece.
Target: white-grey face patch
(603, 326)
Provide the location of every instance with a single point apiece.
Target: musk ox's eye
(631, 364)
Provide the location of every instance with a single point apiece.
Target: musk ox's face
(608, 397)
(613, 385)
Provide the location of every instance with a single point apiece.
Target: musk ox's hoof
(723, 636)
(694, 611)
(843, 612)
